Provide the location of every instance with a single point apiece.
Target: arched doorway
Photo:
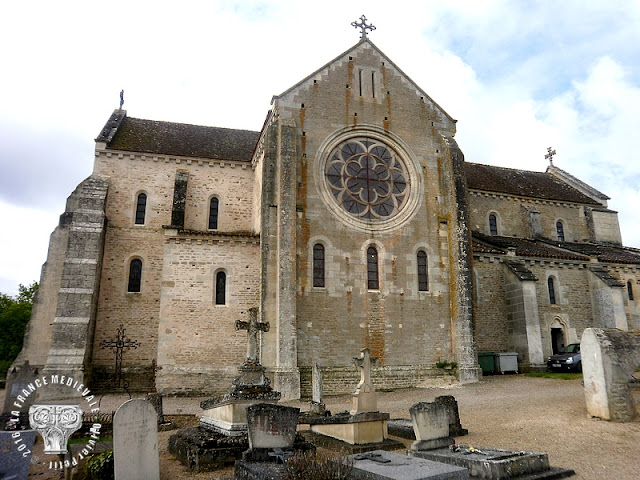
(558, 340)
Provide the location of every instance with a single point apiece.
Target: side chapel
(350, 219)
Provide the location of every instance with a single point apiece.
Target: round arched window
(368, 179)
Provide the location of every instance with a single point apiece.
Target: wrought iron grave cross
(362, 24)
(550, 154)
(252, 327)
(118, 346)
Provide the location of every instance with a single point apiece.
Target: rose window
(367, 178)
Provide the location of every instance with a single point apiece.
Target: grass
(556, 375)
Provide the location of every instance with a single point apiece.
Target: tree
(14, 316)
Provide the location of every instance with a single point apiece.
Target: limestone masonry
(351, 221)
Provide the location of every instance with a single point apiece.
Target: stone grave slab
(496, 464)
(15, 459)
(431, 425)
(382, 465)
(135, 441)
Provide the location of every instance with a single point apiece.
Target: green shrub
(317, 466)
(100, 467)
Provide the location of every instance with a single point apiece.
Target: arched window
(560, 231)
(423, 272)
(221, 288)
(318, 265)
(493, 224)
(630, 291)
(552, 291)
(141, 208)
(372, 269)
(135, 275)
(213, 213)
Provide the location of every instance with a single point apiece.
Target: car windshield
(573, 348)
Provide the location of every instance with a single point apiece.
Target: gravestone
(317, 405)
(14, 457)
(155, 399)
(228, 414)
(431, 426)
(135, 441)
(364, 428)
(364, 398)
(455, 427)
(272, 426)
(382, 465)
(20, 383)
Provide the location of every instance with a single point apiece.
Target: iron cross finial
(121, 98)
(362, 24)
(550, 154)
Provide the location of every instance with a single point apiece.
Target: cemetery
(248, 434)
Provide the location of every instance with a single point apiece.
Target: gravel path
(513, 412)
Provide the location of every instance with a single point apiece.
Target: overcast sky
(519, 76)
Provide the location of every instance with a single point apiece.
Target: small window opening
(423, 272)
(630, 291)
(373, 84)
(360, 81)
(213, 213)
(552, 291)
(493, 224)
(372, 269)
(135, 276)
(560, 231)
(318, 265)
(221, 288)
(141, 208)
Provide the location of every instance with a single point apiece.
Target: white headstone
(135, 441)
(364, 398)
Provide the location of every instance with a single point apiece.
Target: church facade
(350, 220)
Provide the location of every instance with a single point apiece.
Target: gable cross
(362, 24)
(252, 327)
(549, 155)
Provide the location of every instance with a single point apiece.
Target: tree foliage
(14, 315)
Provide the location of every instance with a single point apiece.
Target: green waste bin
(487, 361)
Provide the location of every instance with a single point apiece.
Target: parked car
(569, 359)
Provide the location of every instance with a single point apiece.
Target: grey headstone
(155, 399)
(14, 457)
(316, 384)
(135, 441)
(431, 425)
(272, 426)
(455, 427)
(17, 381)
(393, 466)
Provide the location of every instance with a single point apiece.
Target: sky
(519, 76)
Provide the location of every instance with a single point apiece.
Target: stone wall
(160, 248)
(610, 358)
(491, 321)
(513, 219)
(401, 326)
(344, 380)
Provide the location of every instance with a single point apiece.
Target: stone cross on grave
(549, 155)
(362, 24)
(364, 398)
(252, 327)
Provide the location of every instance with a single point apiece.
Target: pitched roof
(522, 183)
(179, 139)
(525, 247)
(604, 253)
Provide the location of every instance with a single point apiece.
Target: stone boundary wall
(344, 380)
